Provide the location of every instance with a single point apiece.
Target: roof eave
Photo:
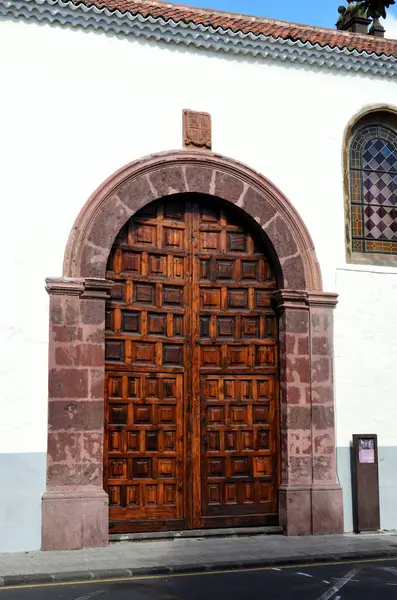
(198, 35)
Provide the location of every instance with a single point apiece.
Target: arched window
(373, 189)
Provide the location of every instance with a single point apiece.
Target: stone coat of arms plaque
(197, 130)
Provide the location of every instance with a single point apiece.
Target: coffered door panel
(235, 372)
(191, 372)
(147, 383)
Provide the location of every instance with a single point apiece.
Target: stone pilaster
(309, 498)
(327, 504)
(296, 441)
(75, 505)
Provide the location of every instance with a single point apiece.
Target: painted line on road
(197, 574)
(352, 580)
(388, 569)
(341, 583)
(305, 574)
(96, 593)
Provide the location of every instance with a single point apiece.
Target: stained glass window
(373, 187)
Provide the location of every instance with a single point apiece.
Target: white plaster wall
(77, 105)
(365, 365)
(366, 355)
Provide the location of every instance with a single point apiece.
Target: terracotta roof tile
(250, 24)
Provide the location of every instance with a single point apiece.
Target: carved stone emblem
(196, 130)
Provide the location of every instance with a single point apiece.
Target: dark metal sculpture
(358, 15)
(376, 8)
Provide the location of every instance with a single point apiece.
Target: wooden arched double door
(191, 417)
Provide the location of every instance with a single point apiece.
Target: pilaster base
(74, 519)
(295, 510)
(327, 510)
(311, 510)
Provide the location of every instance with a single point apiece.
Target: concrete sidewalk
(181, 555)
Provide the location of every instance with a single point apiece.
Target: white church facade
(199, 271)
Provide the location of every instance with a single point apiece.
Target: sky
(323, 13)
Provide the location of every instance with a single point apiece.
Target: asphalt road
(347, 581)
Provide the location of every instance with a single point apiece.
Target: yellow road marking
(198, 574)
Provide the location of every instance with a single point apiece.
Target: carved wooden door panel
(191, 372)
(235, 372)
(147, 329)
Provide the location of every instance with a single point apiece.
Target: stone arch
(156, 176)
(364, 112)
(75, 506)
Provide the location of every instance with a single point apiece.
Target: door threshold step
(194, 533)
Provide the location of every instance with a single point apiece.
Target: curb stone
(94, 575)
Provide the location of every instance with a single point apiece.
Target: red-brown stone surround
(75, 506)
(310, 501)
(75, 511)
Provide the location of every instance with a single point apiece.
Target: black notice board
(365, 474)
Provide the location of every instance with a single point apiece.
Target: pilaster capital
(293, 299)
(323, 299)
(300, 299)
(64, 286)
(96, 289)
(87, 288)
